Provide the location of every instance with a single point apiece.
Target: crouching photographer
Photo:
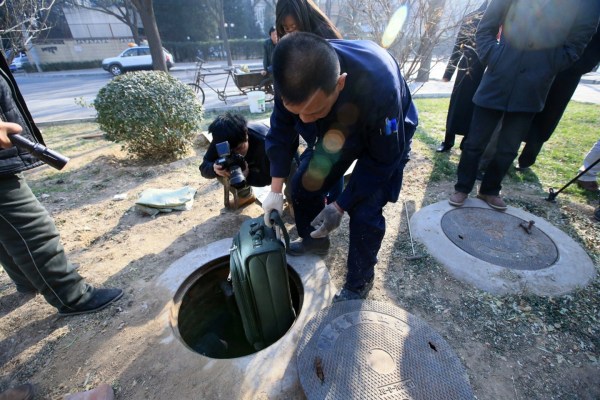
(237, 154)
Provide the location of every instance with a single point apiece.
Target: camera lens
(236, 178)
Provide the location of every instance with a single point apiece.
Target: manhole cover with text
(499, 238)
(374, 350)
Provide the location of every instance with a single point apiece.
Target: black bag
(260, 281)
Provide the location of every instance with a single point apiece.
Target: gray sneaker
(354, 294)
(309, 245)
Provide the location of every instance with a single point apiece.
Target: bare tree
(21, 21)
(146, 11)
(427, 24)
(431, 30)
(123, 10)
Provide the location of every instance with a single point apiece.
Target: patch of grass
(430, 133)
(71, 138)
(556, 165)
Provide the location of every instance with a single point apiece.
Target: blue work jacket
(375, 114)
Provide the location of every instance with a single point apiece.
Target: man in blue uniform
(348, 101)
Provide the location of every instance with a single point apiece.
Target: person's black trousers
(545, 122)
(514, 126)
(30, 249)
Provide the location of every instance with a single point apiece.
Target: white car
(19, 62)
(134, 58)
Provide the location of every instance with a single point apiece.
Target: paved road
(54, 96)
(57, 96)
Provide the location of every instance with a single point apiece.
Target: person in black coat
(539, 39)
(565, 83)
(468, 76)
(268, 47)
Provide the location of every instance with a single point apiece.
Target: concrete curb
(573, 269)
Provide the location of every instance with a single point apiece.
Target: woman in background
(303, 16)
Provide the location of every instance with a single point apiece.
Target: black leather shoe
(99, 300)
(309, 245)
(443, 147)
(597, 213)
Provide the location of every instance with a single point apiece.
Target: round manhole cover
(499, 238)
(373, 350)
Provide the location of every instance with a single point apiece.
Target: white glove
(328, 220)
(274, 201)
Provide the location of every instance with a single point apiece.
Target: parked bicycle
(245, 82)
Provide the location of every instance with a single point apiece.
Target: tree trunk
(134, 23)
(428, 40)
(146, 11)
(223, 31)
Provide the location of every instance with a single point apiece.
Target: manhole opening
(208, 320)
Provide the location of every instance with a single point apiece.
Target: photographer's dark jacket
(13, 109)
(258, 162)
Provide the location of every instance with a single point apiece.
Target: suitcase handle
(276, 220)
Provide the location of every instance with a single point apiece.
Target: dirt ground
(513, 347)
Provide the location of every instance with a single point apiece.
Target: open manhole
(374, 350)
(499, 238)
(208, 320)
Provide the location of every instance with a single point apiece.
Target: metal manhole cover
(374, 350)
(498, 238)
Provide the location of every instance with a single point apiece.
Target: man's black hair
(271, 30)
(303, 63)
(230, 128)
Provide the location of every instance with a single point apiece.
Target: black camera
(234, 163)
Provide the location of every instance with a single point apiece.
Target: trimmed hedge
(214, 50)
(153, 115)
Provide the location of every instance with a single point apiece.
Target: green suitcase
(260, 281)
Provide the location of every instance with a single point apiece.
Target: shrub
(153, 115)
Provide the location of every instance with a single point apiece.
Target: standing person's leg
(310, 185)
(33, 251)
(483, 124)
(514, 126)
(588, 180)
(449, 136)
(545, 122)
(367, 228)
(14, 273)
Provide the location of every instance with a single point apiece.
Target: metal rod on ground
(552, 194)
(414, 256)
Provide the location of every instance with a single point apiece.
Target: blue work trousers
(367, 224)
